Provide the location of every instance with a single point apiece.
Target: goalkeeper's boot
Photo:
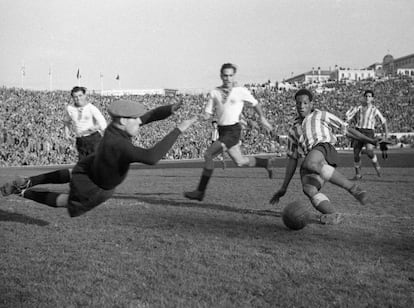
(331, 219)
(194, 195)
(359, 194)
(15, 187)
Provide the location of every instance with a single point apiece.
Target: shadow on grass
(16, 217)
(145, 197)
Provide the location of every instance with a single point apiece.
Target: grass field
(150, 247)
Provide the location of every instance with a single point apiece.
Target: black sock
(44, 197)
(262, 162)
(205, 178)
(54, 177)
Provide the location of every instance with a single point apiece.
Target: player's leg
(215, 149)
(311, 185)
(223, 161)
(317, 162)
(22, 183)
(85, 195)
(326, 215)
(240, 160)
(48, 198)
(357, 148)
(373, 157)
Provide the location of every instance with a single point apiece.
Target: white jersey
(318, 127)
(366, 116)
(229, 106)
(85, 118)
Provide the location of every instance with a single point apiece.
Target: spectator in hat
(94, 178)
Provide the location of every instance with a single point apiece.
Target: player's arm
(386, 129)
(351, 113)
(384, 123)
(263, 119)
(157, 114)
(152, 155)
(99, 120)
(67, 124)
(289, 172)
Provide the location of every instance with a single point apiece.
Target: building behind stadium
(389, 67)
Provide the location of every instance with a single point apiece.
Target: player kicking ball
(93, 179)
(312, 139)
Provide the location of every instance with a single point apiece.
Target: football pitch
(151, 247)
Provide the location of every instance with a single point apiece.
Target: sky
(182, 43)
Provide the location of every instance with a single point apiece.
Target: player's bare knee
(62, 200)
(309, 190)
(370, 153)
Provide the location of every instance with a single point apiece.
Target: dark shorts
(87, 145)
(356, 144)
(84, 194)
(230, 134)
(329, 152)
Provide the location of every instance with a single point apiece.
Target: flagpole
(79, 76)
(101, 76)
(50, 77)
(22, 74)
(119, 81)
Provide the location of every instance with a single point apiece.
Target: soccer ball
(295, 215)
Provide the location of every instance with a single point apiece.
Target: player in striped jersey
(311, 138)
(366, 115)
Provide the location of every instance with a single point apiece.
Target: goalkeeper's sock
(44, 197)
(54, 177)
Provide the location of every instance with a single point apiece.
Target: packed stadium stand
(31, 122)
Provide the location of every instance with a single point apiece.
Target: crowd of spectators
(31, 122)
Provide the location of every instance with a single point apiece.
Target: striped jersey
(365, 116)
(294, 148)
(318, 127)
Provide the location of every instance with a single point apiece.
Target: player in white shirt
(87, 122)
(227, 102)
(366, 115)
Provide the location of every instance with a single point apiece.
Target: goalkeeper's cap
(126, 109)
(304, 92)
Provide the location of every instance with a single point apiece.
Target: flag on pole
(78, 75)
(23, 70)
(117, 77)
